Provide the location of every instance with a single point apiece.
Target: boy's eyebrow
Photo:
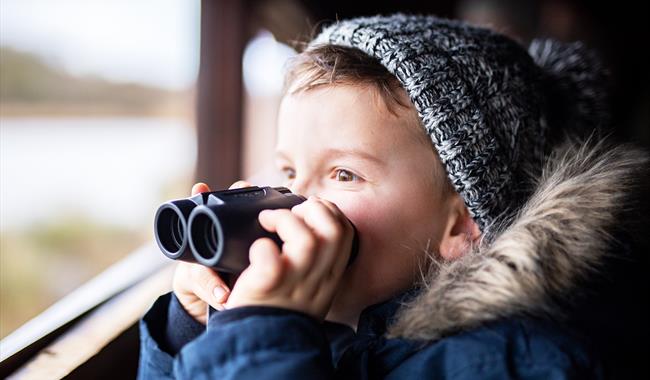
(342, 152)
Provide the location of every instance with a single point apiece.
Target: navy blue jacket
(474, 319)
(273, 343)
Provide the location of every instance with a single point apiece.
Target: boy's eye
(289, 173)
(345, 176)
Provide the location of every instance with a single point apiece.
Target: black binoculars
(216, 229)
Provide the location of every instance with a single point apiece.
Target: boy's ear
(460, 232)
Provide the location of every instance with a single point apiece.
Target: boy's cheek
(377, 221)
(367, 217)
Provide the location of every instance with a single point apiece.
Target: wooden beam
(87, 338)
(219, 103)
(120, 294)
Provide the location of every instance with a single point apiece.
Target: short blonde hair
(333, 64)
(322, 65)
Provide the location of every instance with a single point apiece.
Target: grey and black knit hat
(485, 100)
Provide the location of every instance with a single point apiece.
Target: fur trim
(558, 237)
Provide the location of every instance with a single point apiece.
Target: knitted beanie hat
(484, 100)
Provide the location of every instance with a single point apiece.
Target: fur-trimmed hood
(560, 236)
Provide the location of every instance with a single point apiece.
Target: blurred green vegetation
(43, 263)
(29, 85)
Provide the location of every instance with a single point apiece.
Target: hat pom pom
(575, 82)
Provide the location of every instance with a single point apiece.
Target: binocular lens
(170, 230)
(204, 236)
(177, 231)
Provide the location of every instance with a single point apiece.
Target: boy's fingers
(240, 184)
(300, 243)
(332, 206)
(266, 263)
(200, 188)
(262, 275)
(320, 218)
(336, 211)
(340, 260)
(208, 286)
(331, 231)
(334, 254)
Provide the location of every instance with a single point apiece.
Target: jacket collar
(375, 319)
(373, 323)
(556, 239)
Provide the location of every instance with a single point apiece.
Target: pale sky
(148, 41)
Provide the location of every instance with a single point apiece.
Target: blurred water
(112, 170)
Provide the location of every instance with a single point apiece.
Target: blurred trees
(30, 86)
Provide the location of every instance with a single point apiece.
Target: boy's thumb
(211, 288)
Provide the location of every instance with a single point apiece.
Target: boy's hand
(304, 276)
(197, 286)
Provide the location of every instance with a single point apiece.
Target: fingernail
(219, 293)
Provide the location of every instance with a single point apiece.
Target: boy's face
(342, 144)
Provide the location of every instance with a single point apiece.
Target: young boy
(418, 130)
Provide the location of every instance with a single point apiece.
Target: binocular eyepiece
(216, 229)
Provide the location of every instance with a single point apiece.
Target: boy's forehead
(352, 95)
(342, 114)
